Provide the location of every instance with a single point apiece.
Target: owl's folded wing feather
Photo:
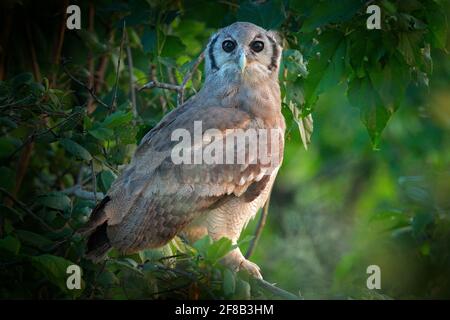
(155, 198)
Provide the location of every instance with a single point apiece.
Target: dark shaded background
(359, 196)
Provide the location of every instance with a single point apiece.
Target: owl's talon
(251, 267)
(236, 261)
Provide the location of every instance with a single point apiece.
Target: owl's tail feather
(98, 243)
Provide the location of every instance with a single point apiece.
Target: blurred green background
(373, 188)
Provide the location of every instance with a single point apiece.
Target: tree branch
(179, 88)
(79, 192)
(157, 84)
(277, 291)
(188, 76)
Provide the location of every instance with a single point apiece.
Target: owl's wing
(155, 198)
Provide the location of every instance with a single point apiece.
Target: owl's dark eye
(228, 45)
(257, 46)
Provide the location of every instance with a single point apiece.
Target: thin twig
(130, 70)
(25, 208)
(188, 76)
(31, 137)
(90, 90)
(116, 85)
(103, 64)
(259, 228)
(106, 164)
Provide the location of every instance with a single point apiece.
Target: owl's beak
(242, 61)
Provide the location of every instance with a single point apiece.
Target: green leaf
(378, 94)
(53, 268)
(293, 62)
(107, 177)
(7, 147)
(374, 114)
(202, 245)
(268, 15)
(389, 220)
(33, 239)
(117, 119)
(218, 249)
(102, 133)
(148, 40)
(10, 244)
(409, 46)
(420, 222)
(326, 69)
(437, 23)
(75, 149)
(91, 41)
(21, 79)
(245, 240)
(5, 121)
(55, 200)
(127, 135)
(229, 282)
(331, 11)
(7, 178)
(172, 47)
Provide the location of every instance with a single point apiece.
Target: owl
(154, 199)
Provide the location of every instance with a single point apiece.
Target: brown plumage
(155, 199)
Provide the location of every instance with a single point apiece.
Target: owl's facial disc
(244, 50)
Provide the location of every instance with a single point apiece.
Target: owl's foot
(236, 261)
(251, 268)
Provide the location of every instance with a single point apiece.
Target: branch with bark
(180, 88)
(79, 192)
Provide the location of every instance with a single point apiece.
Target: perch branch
(179, 88)
(277, 291)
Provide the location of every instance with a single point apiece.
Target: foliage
(61, 146)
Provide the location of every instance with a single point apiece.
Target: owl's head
(243, 49)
